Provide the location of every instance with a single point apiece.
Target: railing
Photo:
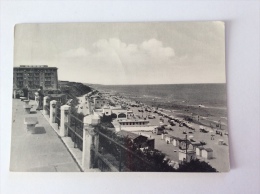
(118, 157)
(47, 108)
(75, 131)
(57, 111)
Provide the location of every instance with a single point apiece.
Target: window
(20, 83)
(122, 115)
(47, 83)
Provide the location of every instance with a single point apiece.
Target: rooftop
(56, 95)
(208, 149)
(132, 120)
(128, 134)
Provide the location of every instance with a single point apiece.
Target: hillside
(74, 89)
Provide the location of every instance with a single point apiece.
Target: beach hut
(183, 143)
(168, 139)
(207, 153)
(195, 144)
(162, 136)
(175, 141)
(198, 150)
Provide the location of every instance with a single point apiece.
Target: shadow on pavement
(39, 130)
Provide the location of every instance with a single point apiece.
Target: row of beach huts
(197, 147)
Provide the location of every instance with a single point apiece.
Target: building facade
(35, 76)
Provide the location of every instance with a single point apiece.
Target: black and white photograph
(120, 97)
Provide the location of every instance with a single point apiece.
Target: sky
(126, 53)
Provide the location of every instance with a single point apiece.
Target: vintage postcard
(120, 97)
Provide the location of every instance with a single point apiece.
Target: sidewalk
(40, 152)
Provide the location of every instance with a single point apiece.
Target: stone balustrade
(53, 110)
(64, 120)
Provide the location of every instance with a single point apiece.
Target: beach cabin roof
(184, 140)
(208, 149)
(201, 147)
(128, 134)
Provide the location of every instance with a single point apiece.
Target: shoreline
(208, 116)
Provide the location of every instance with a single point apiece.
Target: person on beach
(41, 95)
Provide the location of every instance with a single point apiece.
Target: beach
(213, 119)
(206, 101)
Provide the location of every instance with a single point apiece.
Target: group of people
(38, 96)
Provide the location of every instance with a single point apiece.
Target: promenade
(42, 151)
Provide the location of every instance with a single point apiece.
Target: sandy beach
(220, 159)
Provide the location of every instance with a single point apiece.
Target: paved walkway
(39, 152)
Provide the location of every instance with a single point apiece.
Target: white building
(207, 153)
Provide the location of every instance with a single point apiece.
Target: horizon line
(143, 83)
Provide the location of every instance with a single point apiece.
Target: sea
(203, 95)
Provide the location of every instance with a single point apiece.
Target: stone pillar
(90, 144)
(87, 145)
(64, 119)
(53, 112)
(45, 102)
